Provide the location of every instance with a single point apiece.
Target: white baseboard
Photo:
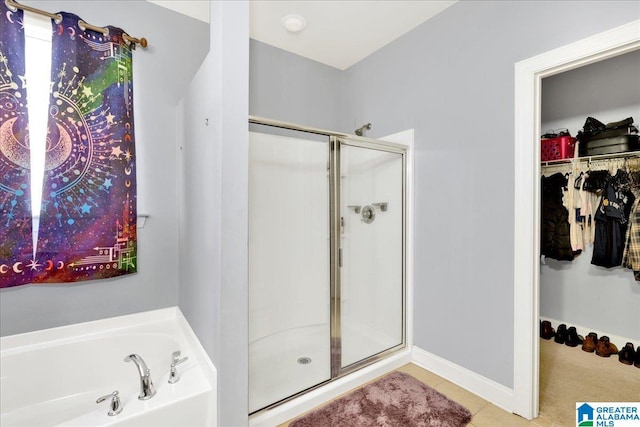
(485, 388)
(618, 340)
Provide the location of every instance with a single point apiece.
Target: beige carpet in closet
(569, 375)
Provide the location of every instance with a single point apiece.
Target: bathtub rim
(60, 335)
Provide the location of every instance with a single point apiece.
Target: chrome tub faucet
(147, 391)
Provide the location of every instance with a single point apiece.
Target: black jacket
(555, 238)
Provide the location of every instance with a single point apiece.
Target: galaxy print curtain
(16, 248)
(87, 223)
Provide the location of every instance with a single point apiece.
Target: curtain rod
(83, 25)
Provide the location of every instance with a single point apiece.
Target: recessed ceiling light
(294, 23)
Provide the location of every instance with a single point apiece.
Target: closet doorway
(528, 79)
(591, 293)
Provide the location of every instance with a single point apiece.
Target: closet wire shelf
(623, 155)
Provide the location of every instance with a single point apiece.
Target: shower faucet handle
(382, 205)
(115, 407)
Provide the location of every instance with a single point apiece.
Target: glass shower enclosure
(326, 257)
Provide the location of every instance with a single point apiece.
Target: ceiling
(338, 34)
(198, 9)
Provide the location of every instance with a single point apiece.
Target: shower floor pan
(274, 370)
(289, 362)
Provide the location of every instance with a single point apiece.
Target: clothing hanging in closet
(631, 256)
(555, 240)
(581, 206)
(611, 221)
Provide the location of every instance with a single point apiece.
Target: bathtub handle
(173, 373)
(115, 407)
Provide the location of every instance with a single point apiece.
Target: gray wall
(214, 195)
(294, 89)
(577, 292)
(161, 73)
(452, 80)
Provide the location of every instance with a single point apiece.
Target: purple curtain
(88, 218)
(16, 249)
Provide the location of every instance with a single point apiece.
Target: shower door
(369, 293)
(289, 268)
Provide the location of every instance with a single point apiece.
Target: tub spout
(147, 391)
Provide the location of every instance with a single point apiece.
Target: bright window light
(38, 81)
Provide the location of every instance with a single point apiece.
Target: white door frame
(528, 77)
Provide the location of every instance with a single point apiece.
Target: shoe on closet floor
(590, 342)
(604, 348)
(573, 339)
(636, 359)
(546, 331)
(561, 334)
(627, 354)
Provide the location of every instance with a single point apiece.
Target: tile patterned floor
(484, 413)
(559, 388)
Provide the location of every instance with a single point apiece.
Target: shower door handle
(340, 257)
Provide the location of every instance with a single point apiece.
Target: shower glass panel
(371, 238)
(289, 264)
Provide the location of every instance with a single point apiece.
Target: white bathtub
(53, 377)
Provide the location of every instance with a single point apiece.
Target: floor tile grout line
(481, 409)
